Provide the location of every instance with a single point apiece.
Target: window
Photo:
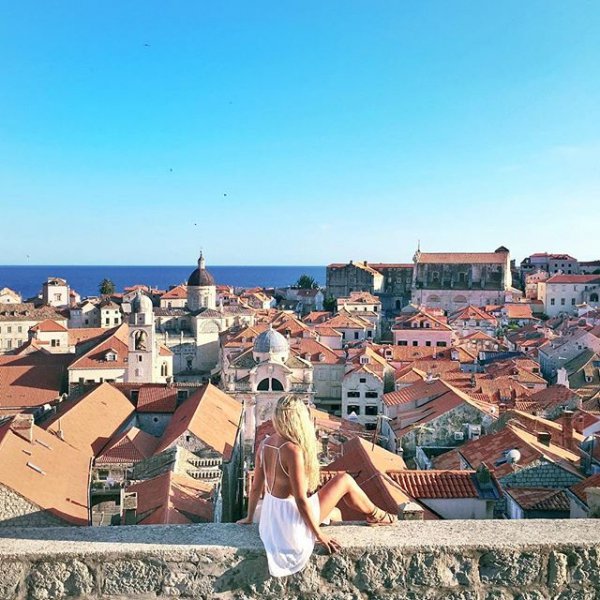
(353, 394)
(134, 395)
(55, 343)
(369, 333)
(353, 408)
(140, 358)
(415, 343)
(441, 344)
(9, 329)
(371, 411)
(573, 301)
(562, 301)
(182, 394)
(363, 380)
(20, 329)
(356, 335)
(116, 320)
(371, 426)
(402, 343)
(551, 301)
(428, 343)
(371, 395)
(107, 321)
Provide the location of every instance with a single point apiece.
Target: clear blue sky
(336, 129)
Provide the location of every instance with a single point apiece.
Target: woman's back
(275, 452)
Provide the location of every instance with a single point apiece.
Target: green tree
(106, 287)
(329, 304)
(306, 282)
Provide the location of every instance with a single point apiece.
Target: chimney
(544, 437)
(579, 422)
(567, 429)
(501, 409)
(129, 505)
(22, 425)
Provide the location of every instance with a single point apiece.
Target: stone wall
(457, 560)
(16, 511)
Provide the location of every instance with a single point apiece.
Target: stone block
(53, 580)
(510, 569)
(12, 575)
(132, 577)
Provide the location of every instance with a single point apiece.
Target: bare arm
(258, 484)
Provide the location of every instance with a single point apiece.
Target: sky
(308, 132)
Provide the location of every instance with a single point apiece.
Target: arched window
(270, 385)
(164, 370)
(263, 386)
(276, 385)
(398, 304)
(594, 297)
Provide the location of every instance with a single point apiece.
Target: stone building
(451, 281)
(563, 293)
(390, 282)
(56, 292)
(17, 319)
(259, 376)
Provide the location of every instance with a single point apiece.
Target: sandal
(381, 518)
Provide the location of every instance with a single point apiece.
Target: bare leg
(343, 486)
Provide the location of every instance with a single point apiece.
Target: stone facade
(16, 511)
(450, 560)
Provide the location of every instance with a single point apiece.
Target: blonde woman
(287, 470)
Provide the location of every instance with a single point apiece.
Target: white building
(562, 293)
(55, 292)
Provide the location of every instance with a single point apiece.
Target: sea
(28, 279)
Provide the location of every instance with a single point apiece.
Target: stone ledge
(468, 560)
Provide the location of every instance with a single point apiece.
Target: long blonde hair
(292, 421)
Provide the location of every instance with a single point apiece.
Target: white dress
(288, 541)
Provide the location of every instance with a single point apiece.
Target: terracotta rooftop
(31, 380)
(436, 484)
(561, 278)
(49, 326)
(47, 472)
(128, 447)
(177, 293)
(461, 258)
(90, 421)
(209, 414)
(156, 399)
(173, 499)
(540, 499)
(579, 488)
(95, 357)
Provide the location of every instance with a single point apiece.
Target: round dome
(141, 303)
(271, 341)
(200, 277)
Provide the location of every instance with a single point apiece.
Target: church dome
(141, 303)
(200, 277)
(271, 341)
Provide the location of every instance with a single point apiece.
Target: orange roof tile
(128, 447)
(436, 484)
(156, 398)
(579, 488)
(48, 473)
(173, 499)
(33, 379)
(177, 293)
(95, 357)
(89, 422)
(48, 326)
(540, 499)
(209, 414)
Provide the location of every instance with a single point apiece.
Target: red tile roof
(128, 447)
(579, 488)
(540, 499)
(461, 258)
(209, 414)
(172, 499)
(436, 484)
(177, 293)
(49, 473)
(560, 278)
(95, 358)
(48, 326)
(156, 399)
(32, 380)
(89, 422)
